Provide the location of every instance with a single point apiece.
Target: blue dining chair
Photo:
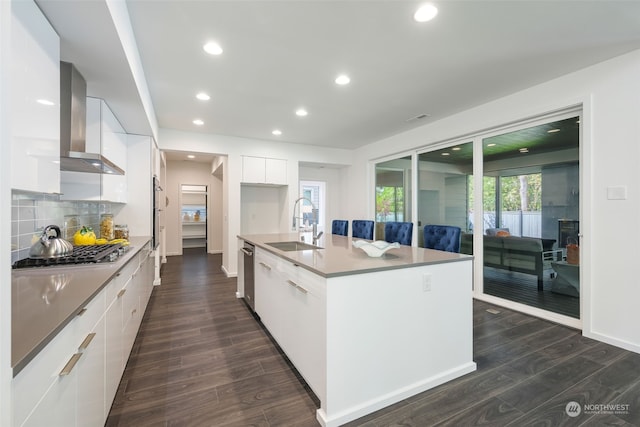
(362, 229)
(442, 237)
(340, 226)
(398, 232)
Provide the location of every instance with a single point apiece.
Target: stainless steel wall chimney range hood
(73, 127)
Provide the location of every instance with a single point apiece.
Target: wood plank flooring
(201, 359)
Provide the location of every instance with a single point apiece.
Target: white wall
(5, 217)
(610, 150)
(191, 173)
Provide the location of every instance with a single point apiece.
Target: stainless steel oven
(156, 189)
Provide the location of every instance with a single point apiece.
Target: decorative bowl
(375, 249)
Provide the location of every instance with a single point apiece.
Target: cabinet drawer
(31, 384)
(36, 378)
(121, 277)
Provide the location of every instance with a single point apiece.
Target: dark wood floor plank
(202, 359)
(490, 412)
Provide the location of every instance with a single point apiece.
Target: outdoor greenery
(389, 204)
(518, 192)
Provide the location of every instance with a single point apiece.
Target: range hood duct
(73, 127)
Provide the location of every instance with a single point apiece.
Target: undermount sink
(293, 246)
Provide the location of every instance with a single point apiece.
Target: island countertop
(338, 257)
(45, 299)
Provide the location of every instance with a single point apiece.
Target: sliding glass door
(531, 216)
(392, 193)
(445, 191)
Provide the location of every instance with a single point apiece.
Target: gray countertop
(45, 299)
(339, 258)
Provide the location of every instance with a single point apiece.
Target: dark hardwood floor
(201, 359)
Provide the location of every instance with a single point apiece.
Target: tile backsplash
(32, 212)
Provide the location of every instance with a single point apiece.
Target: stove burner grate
(81, 255)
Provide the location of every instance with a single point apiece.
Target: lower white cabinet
(91, 379)
(74, 379)
(291, 304)
(57, 407)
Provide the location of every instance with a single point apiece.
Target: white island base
(364, 341)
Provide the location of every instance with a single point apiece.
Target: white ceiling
(281, 55)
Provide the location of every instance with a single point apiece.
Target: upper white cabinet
(106, 136)
(35, 101)
(261, 170)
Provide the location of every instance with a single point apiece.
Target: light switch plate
(617, 192)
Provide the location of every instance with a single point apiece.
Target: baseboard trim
(395, 396)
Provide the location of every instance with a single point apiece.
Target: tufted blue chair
(442, 237)
(362, 228)
(340, 226)
(398, 232)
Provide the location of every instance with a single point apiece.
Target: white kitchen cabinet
(57, 407)
(114, 364)
(305, 298)
(261, 170)
(91, 379)
(43, 392)
(35, 101)
(291, 304)
(269, 292)
(100, 338)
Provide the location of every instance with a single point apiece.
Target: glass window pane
(445, 191)
(530, 191)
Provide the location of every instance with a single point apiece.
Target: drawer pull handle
(87, 341)
(134, 311)
(81, 312)
(267, 266)
(122, 291)
(70, 365)
(298, 287)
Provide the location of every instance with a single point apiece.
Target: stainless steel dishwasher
(249, 285)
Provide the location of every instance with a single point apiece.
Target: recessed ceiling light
(491, 145)
(553, 130)
(456, 149)
(45, 102)
(301, 112)
(198, 122)
(212, 48)
(524, 150)
(276, 132)
(191, 156)
(342, 80)
(446, 154)
(203, 96)
(425, 13)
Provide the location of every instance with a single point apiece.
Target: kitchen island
(365, 332)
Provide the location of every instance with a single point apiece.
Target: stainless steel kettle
(49, 246)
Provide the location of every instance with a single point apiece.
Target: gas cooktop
(87, 254)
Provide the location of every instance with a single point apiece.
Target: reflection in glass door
(393, 193)
(531, 215)
(445, 191)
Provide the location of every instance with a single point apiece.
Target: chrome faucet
(315, 234)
